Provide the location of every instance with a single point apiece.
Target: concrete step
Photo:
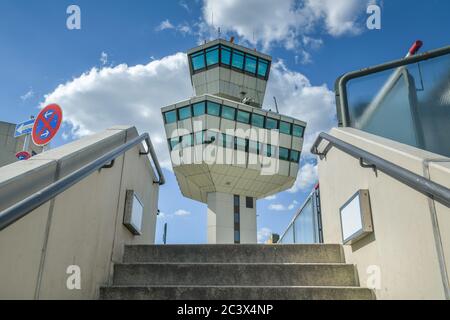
(235, 253)
(233, 274)
(234, 293)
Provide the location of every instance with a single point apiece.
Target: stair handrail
(419, 183)
(37, 199)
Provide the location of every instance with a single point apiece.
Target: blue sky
(312, 43)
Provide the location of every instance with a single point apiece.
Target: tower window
(298, 131)
(213, 109)
(184, 113)
(257, 120)
(243, 117)
(228, 113)
(199, 109)
(262, 68)
(170, 116)
(249, 202)
(225, 56)
(198, 61)
(250, 64)
(285, 127)
(284, 154)
(212, 56)
(271, 124)
(238, 60)
(295, 156)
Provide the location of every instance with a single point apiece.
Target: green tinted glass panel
(199, 109)
(226, 56)
(262, 68)
(271, 124)
(295, 156)
(199, 137)
(243, 116)
(269, 150)
(250, 64)
(285, 127)
(240, 144)
(257, 120)
(170, 116)
(238, 60)
(253, 147)
(184, 113)
(228, 113)
(198, 61)
(174, 143)
(284, 154)
(213, 108)
(186, 141)
(212, 56)
(298, 131)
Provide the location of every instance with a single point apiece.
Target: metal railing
(34, 201)
(369, 160)
(342, 81)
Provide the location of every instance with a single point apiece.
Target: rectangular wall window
(170, 116)
(212, 56)
(238, 60)
(250, 64)
(285, 127)
(284, 154)
(249, 202)
(254, 147)
(200, 137)
(240, 144)
(226, 56)
(228, 113)
(184, 113)
(198, 61)
(298, 131)
(213, 109)
(243, 117)
(271, 124)
(174, 143)
(295, 156)
(263, 65)
(199, 109)
(257, 120)
(187, 141)
(237, 219)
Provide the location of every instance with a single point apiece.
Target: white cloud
(182, 213)
(185, 6)
(104, 58)
(282, 207)
(129, 95)
(28, 95)
(307, 177)
(270, 198)
(264, 235)
(284, 21)
(164, 25)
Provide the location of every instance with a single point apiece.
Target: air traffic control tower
(227, 151)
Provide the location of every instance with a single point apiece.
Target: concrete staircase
(237, 272)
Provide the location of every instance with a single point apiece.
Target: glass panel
(226, 141)
(174, 143)
(199, 137)
(226, 56)
(198, 61)
(271, 124)
(257, 120)
(184, 113)
(262, 67)
(249, 202)
(212, 56)
(295, 156)
(228, 113)
(170, 116)
(305, 225)
(409, 104)
(269, 150)
(238, 59)
(253, 147)
(236, 200)
(236, 218)
(211, 136)
(199, 109)
(298, 131)
(284, 154)
(187, 141)
(250, 64)
(240, 144)
(243, 116)
(237, 236)
(285, 127)
(213, 108)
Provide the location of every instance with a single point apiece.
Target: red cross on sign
(46, 125)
